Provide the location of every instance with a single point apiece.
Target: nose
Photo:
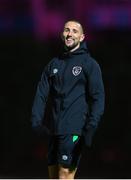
(69, 33)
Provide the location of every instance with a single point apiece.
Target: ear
(82, 37)
(61, 35)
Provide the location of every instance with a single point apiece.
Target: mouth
(69, 41)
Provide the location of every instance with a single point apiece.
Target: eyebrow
(81, 28)
(69, 28)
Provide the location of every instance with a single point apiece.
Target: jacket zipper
(60, 92)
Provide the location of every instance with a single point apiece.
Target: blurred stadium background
(29, 38)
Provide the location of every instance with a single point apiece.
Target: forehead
(73, 25)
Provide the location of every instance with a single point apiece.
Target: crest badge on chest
(76, 70)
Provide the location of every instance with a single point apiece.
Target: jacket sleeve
(96, 97)
(40, 99)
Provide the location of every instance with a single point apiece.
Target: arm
(39, 104)
(96, 100)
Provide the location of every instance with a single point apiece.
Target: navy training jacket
(74, 83)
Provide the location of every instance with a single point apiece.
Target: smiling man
(73, 35)
(74, 82)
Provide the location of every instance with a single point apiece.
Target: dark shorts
(64, 150)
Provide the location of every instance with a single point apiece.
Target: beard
(72, 46)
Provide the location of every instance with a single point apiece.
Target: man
(75, 85)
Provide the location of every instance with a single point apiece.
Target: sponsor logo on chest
(55, 70)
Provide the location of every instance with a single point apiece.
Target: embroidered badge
(75, 137)
(55, 71)
(64, 157)
(76, 70)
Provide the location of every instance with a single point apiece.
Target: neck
(71, 50)
(75, 48)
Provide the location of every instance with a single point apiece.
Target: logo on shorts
(64, 157)
(76, 70)
(55, 70)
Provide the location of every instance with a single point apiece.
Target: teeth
(69, 39)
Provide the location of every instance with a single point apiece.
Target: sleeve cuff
(41, 131)
(88, 134)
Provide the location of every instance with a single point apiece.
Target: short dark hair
(73, 20)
